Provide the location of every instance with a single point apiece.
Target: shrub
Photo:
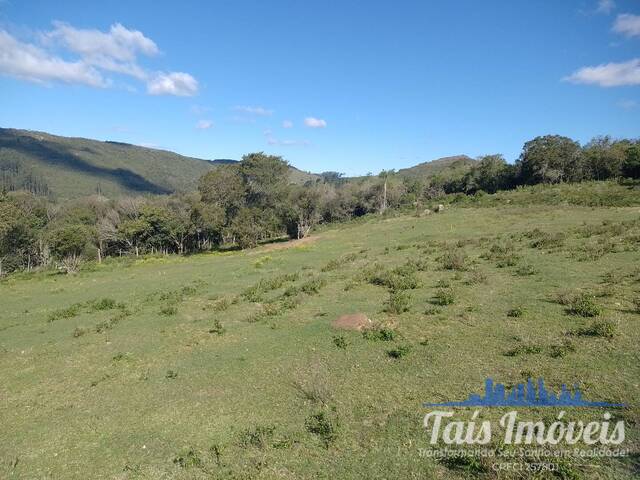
(399, 352)
(221, 304)
(398, 302)
(168, 310)
(526, 269)
(322, 425)
(453, 260)
(516, 312)
(476, 277)
(257, 436)
(188, 459)
(171, 374)
(545, 240)
(600, 328)
(340, 341)
(381, 333)
(313, 286)
(103, 304)
(636, 304)
(337, 263)
(217, 327)
(78, 332)
(432, 311)
(444, 296)
(584, 305)
(559, 351)
(63, 313)
(400, 278)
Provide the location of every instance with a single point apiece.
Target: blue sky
(346, 85)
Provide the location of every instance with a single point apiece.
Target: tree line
(240, 205)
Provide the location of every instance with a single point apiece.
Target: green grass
(209, 367)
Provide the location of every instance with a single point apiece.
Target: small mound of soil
(353, 321)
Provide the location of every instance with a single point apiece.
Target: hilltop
(443, 167)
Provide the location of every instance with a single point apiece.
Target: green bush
(454, 260)
(257, 437)
(340, 341)
(398, 302)
(584, 305)
(322, 425)
(63, 313)
(399, 352)
(516, 312)
(384, 334)
(444, 296)
(599, 328)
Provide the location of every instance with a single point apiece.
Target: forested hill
(72, 167)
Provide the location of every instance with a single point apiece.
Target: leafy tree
(247, 228)
(603, 158)
(631, 164)
(69, 240)
(266, 180)
(224, 188)
(550, 159)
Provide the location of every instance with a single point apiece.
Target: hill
(445, 167)
(72, 167)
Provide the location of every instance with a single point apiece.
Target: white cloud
(608, 75)
(29, 62)
(96, 53)
(627, 104)
(204, 125)
(313, 122)
(259, 111)
(174, 83)
(287, 124)
(605, 6)
(119, 43)
(628, 25)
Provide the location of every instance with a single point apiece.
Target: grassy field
(226, 365)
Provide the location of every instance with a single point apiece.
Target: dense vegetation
(245, 203)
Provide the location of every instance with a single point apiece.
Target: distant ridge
(445, 166)
(65, 167)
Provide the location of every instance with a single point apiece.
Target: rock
(427, 212)
(440, 208)
(353, 321)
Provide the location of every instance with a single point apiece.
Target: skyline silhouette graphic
(521, 395)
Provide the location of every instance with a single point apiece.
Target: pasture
(226, 365)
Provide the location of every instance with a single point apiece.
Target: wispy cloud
(313, 122)
(259, 111)
(287, 124)
(628, 25)
(175, 83)
(97, 54)
(271, 140)
(605, 6)
(609, 74)
(204, 125)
